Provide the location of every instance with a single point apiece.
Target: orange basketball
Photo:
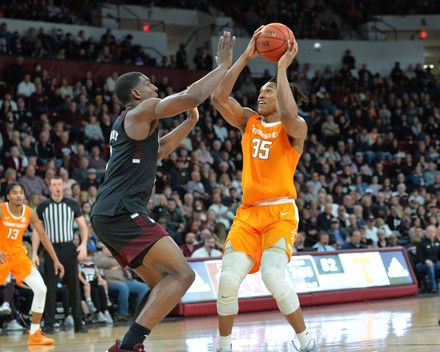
(272, 41)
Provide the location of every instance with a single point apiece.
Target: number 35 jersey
(269, 162)
(12, 229)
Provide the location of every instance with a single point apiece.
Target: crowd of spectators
(369, 175)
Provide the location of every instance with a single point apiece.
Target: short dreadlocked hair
(299, 96)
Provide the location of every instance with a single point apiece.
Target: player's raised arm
(194, 95)
(228, 107)
(171, 140)
(287, 107)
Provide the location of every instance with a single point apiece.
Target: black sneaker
(48, 329)
(81, 329)
(122, 318)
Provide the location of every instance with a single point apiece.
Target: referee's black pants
(67, 255)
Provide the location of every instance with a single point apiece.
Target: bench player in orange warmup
(15, 218)
(265, 226)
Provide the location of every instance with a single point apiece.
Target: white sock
(304, 338)
(225, 342)
(34, 328)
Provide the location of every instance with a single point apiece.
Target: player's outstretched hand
(224, 50)
(291, 52)
(251, 50)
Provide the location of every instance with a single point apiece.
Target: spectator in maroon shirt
(189, 246)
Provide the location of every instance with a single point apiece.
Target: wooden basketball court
(404, 324)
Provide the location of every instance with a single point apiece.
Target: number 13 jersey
(269, 162)
(12, 229)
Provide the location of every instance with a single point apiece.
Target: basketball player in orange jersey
(15, 218)
(265, 226)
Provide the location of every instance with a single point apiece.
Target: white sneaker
(100, 318)
(92, 307)
(222, 350)
(5, 308)
(108, 317)
(68, 321)
(311, 347)
(14, 326)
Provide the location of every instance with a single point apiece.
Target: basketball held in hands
(272, 41)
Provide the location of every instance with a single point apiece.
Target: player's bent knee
(39, 298)
(273, 270)
(227, 300)
(286, 297)
(187, 277)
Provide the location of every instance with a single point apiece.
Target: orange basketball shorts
(257, 228)
(18, 264)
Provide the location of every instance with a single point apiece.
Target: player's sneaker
(117, 347)
(108, 317)
(68, 321)
(91, 306)
(5, 308)
(100, 318)
(39, 338)
(13, 325)
(311, 347)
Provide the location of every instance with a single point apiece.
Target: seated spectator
(195, 186)
(175, 221)
(63, 149)
(33, 183)
(211, 220)
(80, 174)
(28, 147)
(93, 135)
(189, 246)
(208, 249)
(428, 255)
(188, 206)
(96, 161)
(26, 87)
(91, 180)
(371, 230)
(354, 241)
(120, 281)
(393, 241)
(382, 241)
(86, 209)
(222, 212)
(95, 290)
(324, 218)
(16, 161)
(323, 244)
(10, 176)
(367, 242)
(338, 235)
(299, 243)
(44, 148)
(68, 182)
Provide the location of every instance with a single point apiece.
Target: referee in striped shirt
(58, 214)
